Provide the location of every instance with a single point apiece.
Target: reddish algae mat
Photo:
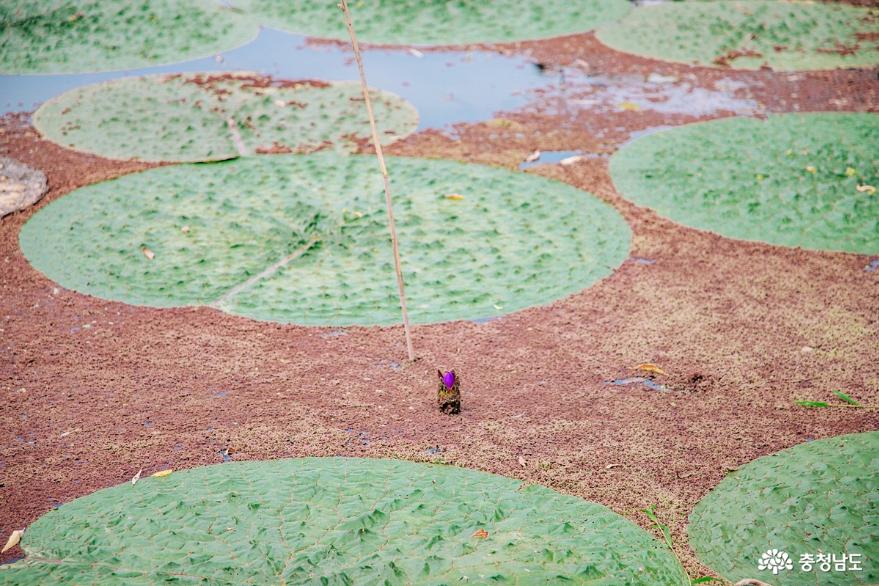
(649, 282)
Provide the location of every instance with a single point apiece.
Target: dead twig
(384, 170)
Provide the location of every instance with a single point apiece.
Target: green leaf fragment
(846, 398)
(813, 404)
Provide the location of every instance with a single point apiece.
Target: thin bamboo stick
(387, 183)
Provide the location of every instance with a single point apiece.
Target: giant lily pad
(803, 180)
(303, 238)
(66, 36)
(337, 521)
(203, 117)
(817, 497)
(437, 22)
(748, 34)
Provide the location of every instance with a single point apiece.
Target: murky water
(647, 131)
(654, 92)
(550, 157)
(445, 86)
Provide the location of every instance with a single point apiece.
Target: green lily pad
(205, 117)
(303, 238)
(795, 179)
(818, 497)
(748, 34)
(437, 22)
(67, 36)
(337, 521)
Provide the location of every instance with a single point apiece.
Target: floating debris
(20, 186)
(640, 380)
(13, 540)
(548, 158)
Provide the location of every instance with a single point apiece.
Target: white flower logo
(775, 560)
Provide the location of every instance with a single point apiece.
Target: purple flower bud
(449, 379)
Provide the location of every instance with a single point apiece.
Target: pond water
(550, 157)
(445, 86)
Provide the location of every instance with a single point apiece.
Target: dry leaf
(811, 169)
(630, 107)
(850, 172)
(15, 537)
(162, 473)
(610, 466)
(136, 477)
(522, 462)
(455, 196)
(869, 189)
(650, 367)
(148, 253)
(532, 157)
(481, 534)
